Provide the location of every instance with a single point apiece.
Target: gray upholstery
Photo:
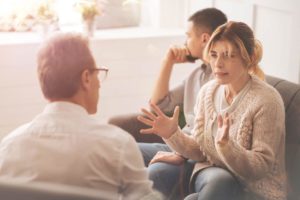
(17, 190)
(290, 93)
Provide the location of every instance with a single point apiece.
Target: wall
(134, 55)
(133, 60)
(276, 23)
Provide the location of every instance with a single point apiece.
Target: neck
(74, 99)
(232, 89)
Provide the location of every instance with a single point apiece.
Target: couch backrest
(19, 190)
(290, 93)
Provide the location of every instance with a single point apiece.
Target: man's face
(194, 40)
(93, 92)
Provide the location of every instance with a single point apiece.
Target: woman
(239, 136)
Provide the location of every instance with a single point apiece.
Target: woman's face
(227, 64)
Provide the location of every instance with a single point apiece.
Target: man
(200, 26)
(64, 144)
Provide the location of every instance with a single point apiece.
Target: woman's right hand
(167, 157)
(159, 123)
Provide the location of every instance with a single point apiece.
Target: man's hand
(159, 123)
(167, 157)
(177, 54)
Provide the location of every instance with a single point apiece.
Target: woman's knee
(165, 177)
(162, 170)
(216, 178)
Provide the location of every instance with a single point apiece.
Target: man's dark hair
(209, 18)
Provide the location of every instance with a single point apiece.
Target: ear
(85, 79)
(205, 37)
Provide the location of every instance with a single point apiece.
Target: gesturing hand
(223, 129)
(159, 123)
(167, 157)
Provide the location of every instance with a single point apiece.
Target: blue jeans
(170, 180)
(215, 183)
(150, 149)
(212, 183)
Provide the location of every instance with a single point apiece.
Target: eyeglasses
(102, 72)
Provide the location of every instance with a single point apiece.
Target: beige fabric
(185, 95)
(256, 149)
(66, 145)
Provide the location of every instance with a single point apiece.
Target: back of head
(209, 19)
(61, 60)
(241, 36)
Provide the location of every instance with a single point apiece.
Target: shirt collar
(64, 107)
(206, 68)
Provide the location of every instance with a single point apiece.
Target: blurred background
(130, 37)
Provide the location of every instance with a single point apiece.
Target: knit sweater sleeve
(187, 145)
(267, 134)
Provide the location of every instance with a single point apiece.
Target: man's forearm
(161, 87)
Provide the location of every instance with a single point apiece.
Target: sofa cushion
(12, 189)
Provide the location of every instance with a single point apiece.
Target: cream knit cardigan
(256, 148)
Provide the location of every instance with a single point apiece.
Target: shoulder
(114, 141)
(262, 92)
(106, 141)
(106, 133)
(205, 94)
(197, 78)
(194, 75)
(208, 88)
(18, 132)
(200, 71)
(263, 99)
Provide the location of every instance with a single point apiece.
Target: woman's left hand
(223, 129)
(167, 157)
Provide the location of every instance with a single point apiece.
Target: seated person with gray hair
(64, 144)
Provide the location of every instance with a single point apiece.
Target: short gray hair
(61, 60)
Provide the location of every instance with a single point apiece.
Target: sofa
(11, 189)
(290, 93)
(20, 189)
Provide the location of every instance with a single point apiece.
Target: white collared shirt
(66, 145)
